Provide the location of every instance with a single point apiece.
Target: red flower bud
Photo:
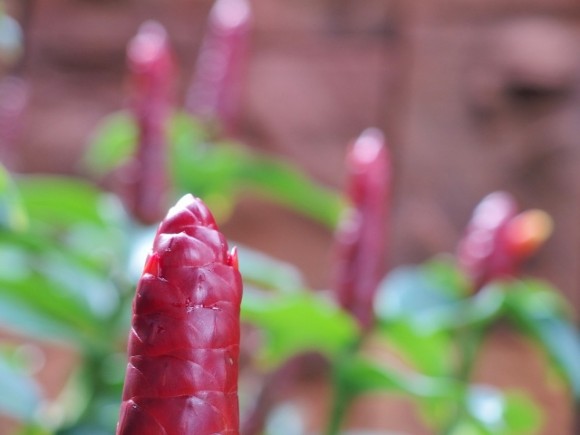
(497, 240)
(362, 232)
(152, 72)
(215, 90)
(184, 342)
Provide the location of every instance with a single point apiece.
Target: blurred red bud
(152, 73)
(360, 238)
(498, 240)
(215, 90)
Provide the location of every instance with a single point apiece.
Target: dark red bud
(183, 346)
(215, 90)
(361, 236)
(152, 73)
(497, 239)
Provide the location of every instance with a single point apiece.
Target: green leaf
(408, 292)
(217, 171)
(484, 410)
(287, 185)
(34, 429)
(20, 397)
(521, 414)
(541, 313)
(207, 170)
(12, 214)
(360, 375)
(430, 299)
(35, 305)
(268, 273)
(428, 350)
(468, 427)
(297, 322)
(54, 200)
(112, 144)
(476, 312)
(186, 131)
(503, 414)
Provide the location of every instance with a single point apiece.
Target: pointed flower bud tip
(493, 210)
(149, 43)
(528, 231)
(229, 14)
(367, 147)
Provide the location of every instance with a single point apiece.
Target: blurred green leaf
(34, 429)
(429, 351)
(475, 312)
(484, 410)
(216, 171)
(298, 322)
(208, 171)
(443, 271)
(35, 305)
(432, 297)
(20, 396)
(408, 292)
(539, 311)
(521, 414)
(468, 427)
(49, 285)
(61, 201)
(268, 273)
(360, 375)
(12, 214)
(503, 414)
(186, 130)
(84, 429)
(287, 185)
(112, 144)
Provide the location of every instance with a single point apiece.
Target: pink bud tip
(367, 147)
(149, 43)
(229, 14)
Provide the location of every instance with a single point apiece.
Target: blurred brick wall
(492, 101)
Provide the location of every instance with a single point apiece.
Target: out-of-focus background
(474, 96)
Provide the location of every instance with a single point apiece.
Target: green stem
(469, 343)
(343, 393)
(340, 404)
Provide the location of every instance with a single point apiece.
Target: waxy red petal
(184, 343)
